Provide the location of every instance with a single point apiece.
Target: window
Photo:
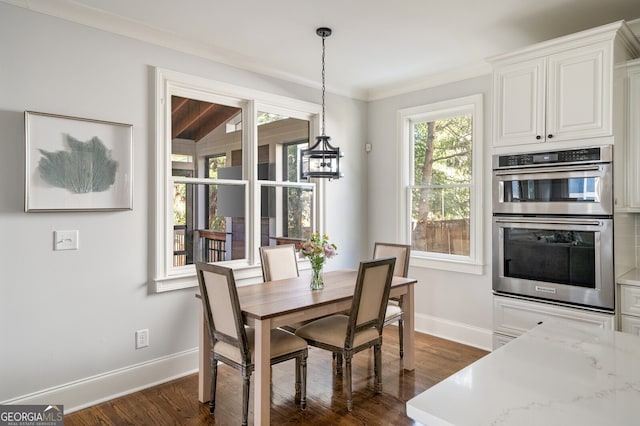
(442, 183)
(226, 176)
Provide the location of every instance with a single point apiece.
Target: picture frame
(77, 164)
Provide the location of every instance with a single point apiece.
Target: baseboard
(103, 387)
(458, 332)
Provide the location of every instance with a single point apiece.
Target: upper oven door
(565, 190)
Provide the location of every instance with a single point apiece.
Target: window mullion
(250, 161)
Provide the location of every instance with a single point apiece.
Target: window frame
(472, 105)
(167, 83)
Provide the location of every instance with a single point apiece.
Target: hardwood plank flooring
(176, 402)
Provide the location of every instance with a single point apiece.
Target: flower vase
(317, 282)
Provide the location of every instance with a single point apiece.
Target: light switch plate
(65, 240)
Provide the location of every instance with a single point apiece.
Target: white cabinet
(630, 309)
(512, 317)
(630, 325)
(554, 98)
(560, 90)
(632, 157)
(579, 86)
(519, 97)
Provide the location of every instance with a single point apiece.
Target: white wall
(453, 305)
(67, 318)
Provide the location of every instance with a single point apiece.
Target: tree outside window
(440, 208)
(441, 174)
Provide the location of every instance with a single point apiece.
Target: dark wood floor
(176, 402)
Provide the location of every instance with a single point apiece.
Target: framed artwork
(77, 164)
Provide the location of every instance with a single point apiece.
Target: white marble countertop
(555, 374)
(630, 278)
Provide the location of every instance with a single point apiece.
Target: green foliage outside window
(216, 223)
(298, 200)
(441, 198)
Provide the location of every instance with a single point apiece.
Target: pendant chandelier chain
(323, 86)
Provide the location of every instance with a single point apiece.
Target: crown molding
(635, 27)
(431, 80)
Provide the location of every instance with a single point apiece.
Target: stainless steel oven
(553, 226)
(576, 182)
(566, 260)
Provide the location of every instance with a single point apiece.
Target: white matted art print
(77, 164)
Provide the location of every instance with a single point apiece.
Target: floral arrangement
(317, 249)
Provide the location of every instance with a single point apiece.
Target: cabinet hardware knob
(538, 137)
(549, 136)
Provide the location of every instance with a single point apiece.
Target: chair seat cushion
(282, 342)
(332, 330)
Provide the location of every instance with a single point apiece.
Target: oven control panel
(583, 155)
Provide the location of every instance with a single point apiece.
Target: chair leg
(347, 359)
(303, 373)
(377, 360)
(214, 379)
(400, 337)
(338, 364)
(245, 396)
(298, 396)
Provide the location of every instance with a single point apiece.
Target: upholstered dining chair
(278, 262)
(233, 344)
(362, 328)
(395, 313)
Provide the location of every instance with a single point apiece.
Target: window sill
(243, 274)
(447, 265)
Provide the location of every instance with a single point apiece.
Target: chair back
(278, 262)
(221, 307)
(402, 253)
(371, 296)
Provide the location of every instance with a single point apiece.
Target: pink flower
(306, 249)
(317, 249)
(329, 251)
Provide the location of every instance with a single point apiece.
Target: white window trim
(472, 264)
(168, 83)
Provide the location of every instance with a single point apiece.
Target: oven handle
(588, 168)
(551, 221)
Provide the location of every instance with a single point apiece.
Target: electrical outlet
(142, 338)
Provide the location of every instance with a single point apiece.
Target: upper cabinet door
(579, 93)
(631, 162)
(519, 103)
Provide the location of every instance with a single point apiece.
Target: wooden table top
(276, 298)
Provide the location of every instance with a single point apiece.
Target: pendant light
(322, 160)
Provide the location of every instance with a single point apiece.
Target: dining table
(278, 303)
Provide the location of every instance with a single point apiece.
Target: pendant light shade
(322, 160)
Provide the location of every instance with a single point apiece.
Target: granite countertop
(630, 278)
(555, 374)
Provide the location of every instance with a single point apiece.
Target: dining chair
(278, 262)
(233, 344)
(345, 335)
(395, 313)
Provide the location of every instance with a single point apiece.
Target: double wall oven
(553, 226)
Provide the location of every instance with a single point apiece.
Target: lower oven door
(568, 260)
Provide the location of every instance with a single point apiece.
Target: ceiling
(378, 47)
(192, 119)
